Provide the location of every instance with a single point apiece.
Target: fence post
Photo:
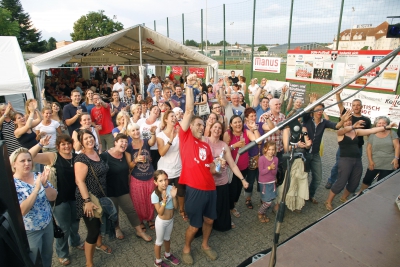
(290, 24)
(252, 39)
(167, 28)
(183, 28)
(224, 33)
(340, 25)
(155, 25)
(202, 31)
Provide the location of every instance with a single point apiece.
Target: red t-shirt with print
(102, 116)
(196, 158)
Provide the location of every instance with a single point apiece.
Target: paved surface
(233, 247)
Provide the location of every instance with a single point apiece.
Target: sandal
(184, 215)
(80, 247)
(151, 225)
(144, 236)
(249, 204)
(233, 225)
(328, 206)
(235, 213)
(262, 218)
(106, 249)
(343, 200)
(143, 227)
(313, 200)
(119, 234)
(64, 261)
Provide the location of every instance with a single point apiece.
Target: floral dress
(39, 215)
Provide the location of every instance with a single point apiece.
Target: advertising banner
(300, 90)
(374, 104)
(200, 72)
(177, 70)
(267, 64)
(336, 67)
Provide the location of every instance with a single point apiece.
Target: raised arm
(223, 100)
(339, 101)
(256, 99)
(189, 106)
(290, 103)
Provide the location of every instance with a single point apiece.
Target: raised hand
(346, 116)
(173, 191)
(272, 166)
(45, 140)
(313, 97)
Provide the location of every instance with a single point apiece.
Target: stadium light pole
(351, 26)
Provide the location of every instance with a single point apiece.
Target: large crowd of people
(156, 152)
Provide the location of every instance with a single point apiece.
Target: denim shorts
(268, 192)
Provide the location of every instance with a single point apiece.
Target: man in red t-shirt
(197, 169)
(101, 119)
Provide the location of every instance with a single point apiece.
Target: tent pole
(141, 74)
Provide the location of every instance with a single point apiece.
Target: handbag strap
(97, 179)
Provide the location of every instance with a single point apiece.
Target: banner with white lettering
(336, 67)
(300, 90)
(267, 64)
(374, 104)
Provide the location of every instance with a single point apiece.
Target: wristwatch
(232, 148)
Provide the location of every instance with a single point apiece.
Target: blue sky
(313, 20)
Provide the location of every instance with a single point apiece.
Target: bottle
(218, 166)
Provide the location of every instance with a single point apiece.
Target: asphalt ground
(233, 247)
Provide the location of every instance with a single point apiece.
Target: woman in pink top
(223, 221)
(267, 166)
(237, 137)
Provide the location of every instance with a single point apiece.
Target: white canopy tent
(14, 82)
(134, 47)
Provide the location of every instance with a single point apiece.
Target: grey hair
(133, 126)
(386, 119)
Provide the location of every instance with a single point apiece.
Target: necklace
(69, 161)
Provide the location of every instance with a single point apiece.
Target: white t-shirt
(51, 130)
(145, 130)
(171, 162)
(117, 86)
(253, 89)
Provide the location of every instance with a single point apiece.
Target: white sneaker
(397, 201)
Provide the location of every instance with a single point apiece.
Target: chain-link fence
(278, 27)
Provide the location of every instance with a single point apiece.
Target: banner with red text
(177, 70)
(336, 67)
(374, 104)
(200, 72)
(267, 64)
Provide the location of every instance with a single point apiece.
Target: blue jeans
(334, 172)
(252, 175)
(42, 240)
(65, 215)
(314, 161)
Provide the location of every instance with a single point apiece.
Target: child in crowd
(268, 167)
(164, 200)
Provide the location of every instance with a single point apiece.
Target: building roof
(378, 32)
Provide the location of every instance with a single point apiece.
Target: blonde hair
(133, 126)
(119, 116)
(15, 154)
(134, 107)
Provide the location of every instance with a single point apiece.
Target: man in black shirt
(233, 78)
(356, 106)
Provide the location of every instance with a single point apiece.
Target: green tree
(29, 37)
(191, 43)
(365, 48)
(262, 48)
(221, 43)
(51, 44)
(93, 25)
(8, 27)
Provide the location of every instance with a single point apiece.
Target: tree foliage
(8, 27)
(51, 44)
(191, 43)
(29, 37)
(262, 48)
(93, 25)
(365, 48)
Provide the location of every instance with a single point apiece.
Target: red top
(243, 162)
(196, 159)
(102, 116)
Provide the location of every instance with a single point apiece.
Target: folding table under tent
(136, 46)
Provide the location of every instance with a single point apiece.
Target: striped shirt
(276, 136)
(8, 136)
